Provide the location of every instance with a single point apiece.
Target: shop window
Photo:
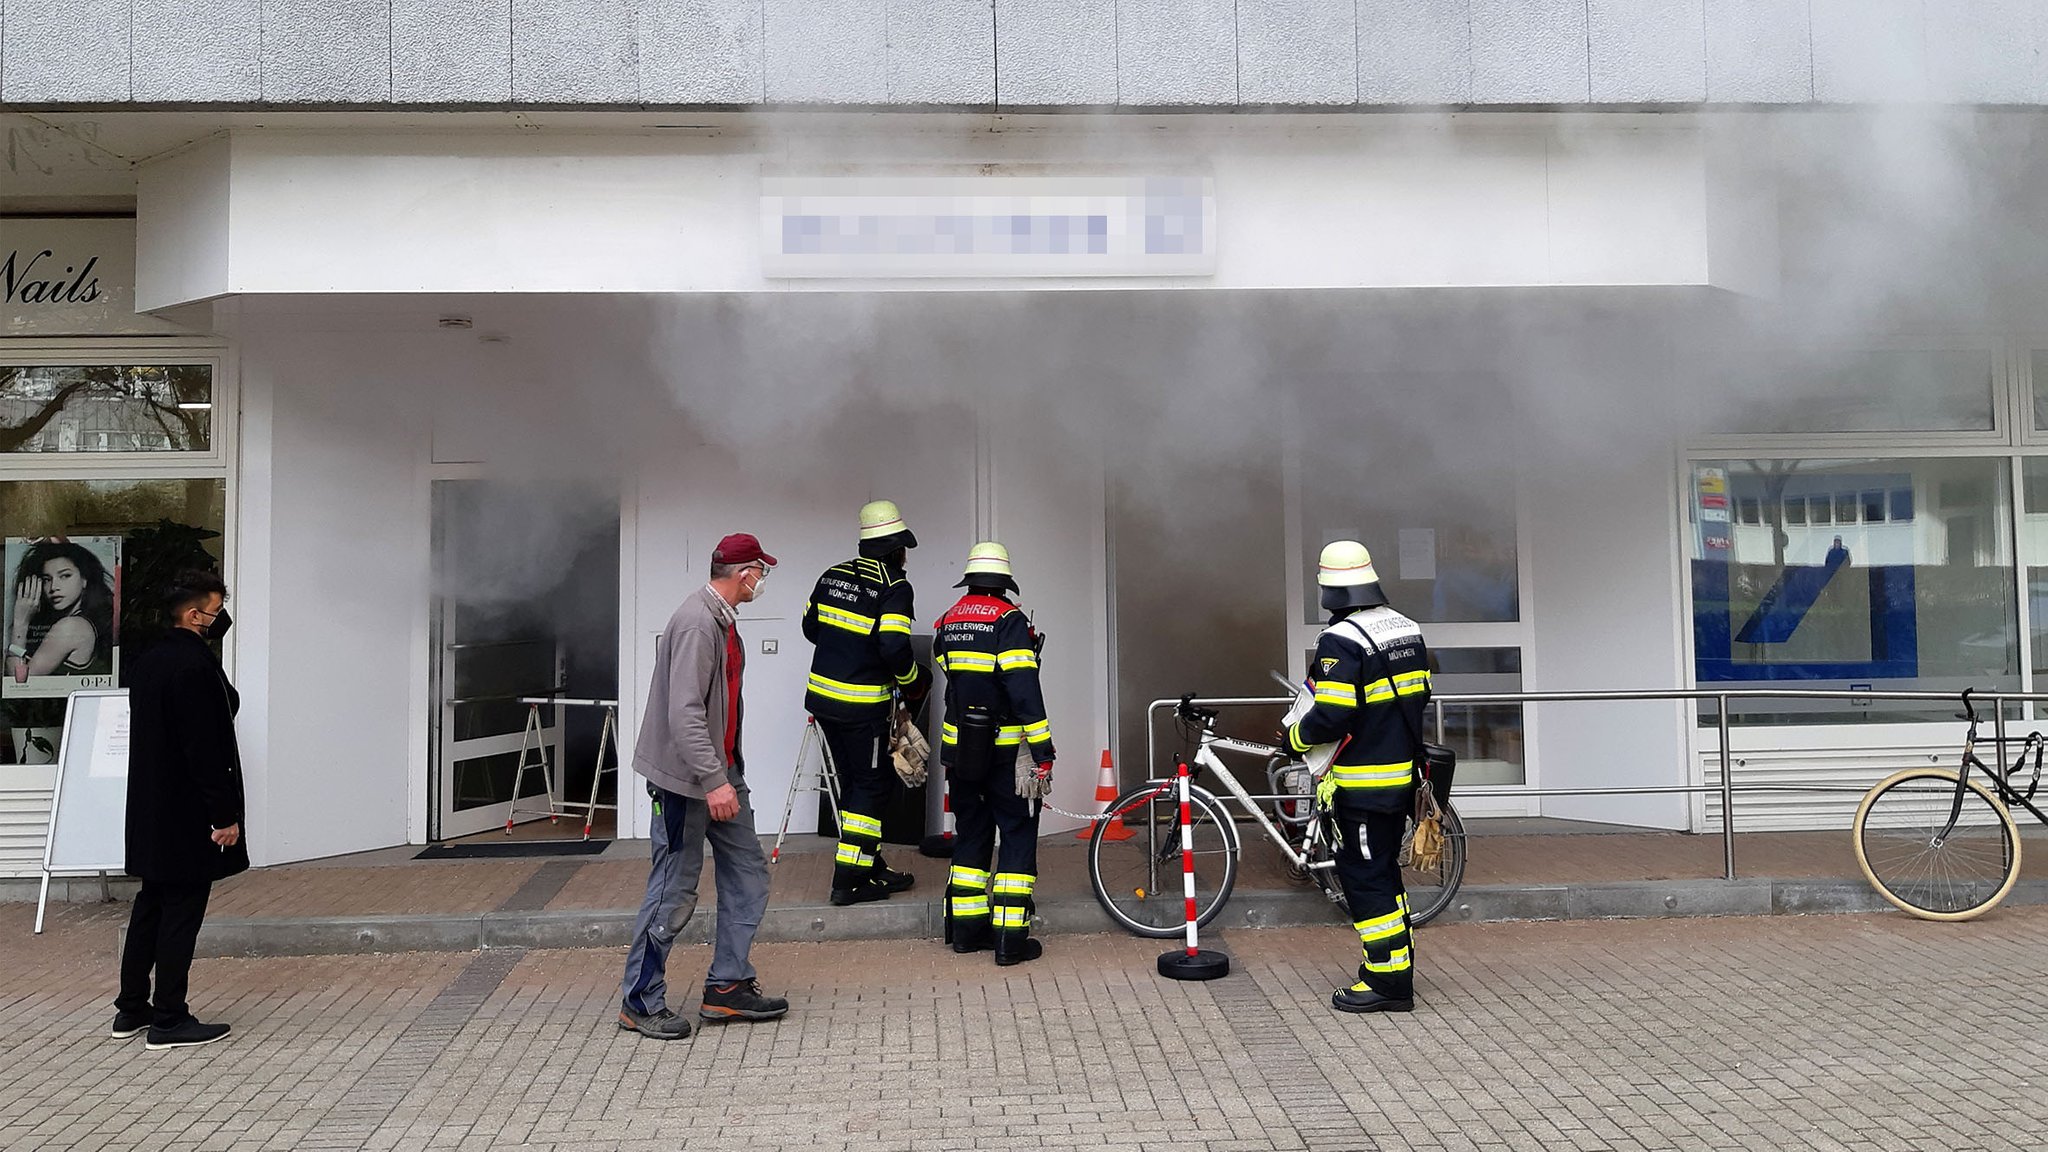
(81, 557)
(1886, 390)
(1488, 738)
(60, 408)
(1910, 587)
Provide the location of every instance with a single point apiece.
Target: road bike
(1137, 877)
(1943, 845)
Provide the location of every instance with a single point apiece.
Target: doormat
(512, 849)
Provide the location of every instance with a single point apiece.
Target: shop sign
(987, 225)
(63, 276)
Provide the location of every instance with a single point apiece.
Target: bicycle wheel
(1138, 879)
(1431, 891)
(1904, 856)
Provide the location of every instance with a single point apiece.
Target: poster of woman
(63, 612)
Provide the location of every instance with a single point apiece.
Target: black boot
(973, 936)
(1361, 998)
(889, 878)
(1017, 948)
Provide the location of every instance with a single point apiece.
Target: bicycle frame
(1206, 757)
(2007, 794)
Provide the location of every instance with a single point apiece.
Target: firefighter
(995, 713)
(858, 619)
(1369, 668)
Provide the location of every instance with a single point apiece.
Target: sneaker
(724, 1003)
(190, 1034)
(662, 1025)
(890, 878)
(129, 1025)
(867, 891)
(1359, 998)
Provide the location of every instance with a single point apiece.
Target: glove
(909, 752)
(1326, 790)
(1034, 780)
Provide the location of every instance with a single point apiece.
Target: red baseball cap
(740, 548)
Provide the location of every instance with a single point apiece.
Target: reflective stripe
(1015, 883)
(948, 734)
(1009, 735)
(1294, 739)
(1336, 692)
(1406, 684)
(1017, 658)
(966, 906)
(840, 618)
(1012, 916)
(1039, 732)
(964, 877)
(851, 854)
(1381, 927)
(895, 622)
(909, 677)
(1401, 960)
(850, 693)
(1373, 775)
(957, 661)
(859, 825)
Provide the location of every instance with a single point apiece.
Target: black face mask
(219, 628)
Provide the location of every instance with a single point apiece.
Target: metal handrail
(1720, 696)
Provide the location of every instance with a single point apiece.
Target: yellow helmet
(988, 564)
(1346, 573)
(882, 529)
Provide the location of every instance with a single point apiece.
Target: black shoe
(129, 1025)
(742, 1001)
(190, 1034)
(977, 938)
(1359, 998)
(662, 1025)
(1019, 953)
(865, 892)
(890, 878)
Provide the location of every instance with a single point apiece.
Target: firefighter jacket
(990, 656)
(858, 619)
(1359, 698)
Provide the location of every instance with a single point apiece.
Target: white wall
(1607, 612)
(333, 562)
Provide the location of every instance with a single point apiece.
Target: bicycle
(1940, 845)
(1137, 878)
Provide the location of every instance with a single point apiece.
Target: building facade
(1648, 346)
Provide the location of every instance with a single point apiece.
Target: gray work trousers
(681, 827)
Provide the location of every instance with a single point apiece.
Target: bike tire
(1963, 876)
(1137, 880)
(1439, 886)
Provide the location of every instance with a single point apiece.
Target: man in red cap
(689, 751)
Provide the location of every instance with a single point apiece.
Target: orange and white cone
(1105, 795)
(941, 845)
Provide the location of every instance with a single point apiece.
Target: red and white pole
(1191, 963)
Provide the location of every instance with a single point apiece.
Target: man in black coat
(184, 810)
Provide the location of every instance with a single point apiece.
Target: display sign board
(64, 276)
(89, 811)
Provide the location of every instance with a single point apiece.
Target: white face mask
(748, 592)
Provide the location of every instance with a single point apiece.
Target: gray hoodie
(682, 734)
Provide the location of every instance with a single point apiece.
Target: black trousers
(860, 754)
(981, 808)
(162, 930)
(1369, 868)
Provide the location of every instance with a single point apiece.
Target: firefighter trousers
(1369, 868)
(860, 754)
(984, 907)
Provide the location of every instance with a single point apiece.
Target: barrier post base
(1203, 964)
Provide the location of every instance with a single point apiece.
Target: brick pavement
(1841, 1032)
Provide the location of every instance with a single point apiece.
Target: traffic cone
(941, 845)
(1105, 795)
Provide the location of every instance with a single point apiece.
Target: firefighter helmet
(988, 566)
(882, 529)
(1348, 578)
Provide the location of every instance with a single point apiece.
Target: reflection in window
(1486, 737)
(1910, 587)
(106, 408)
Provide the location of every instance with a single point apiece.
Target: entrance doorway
(525, 606)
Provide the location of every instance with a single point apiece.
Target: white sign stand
(89, 809)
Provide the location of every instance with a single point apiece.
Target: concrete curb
(918, 917)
